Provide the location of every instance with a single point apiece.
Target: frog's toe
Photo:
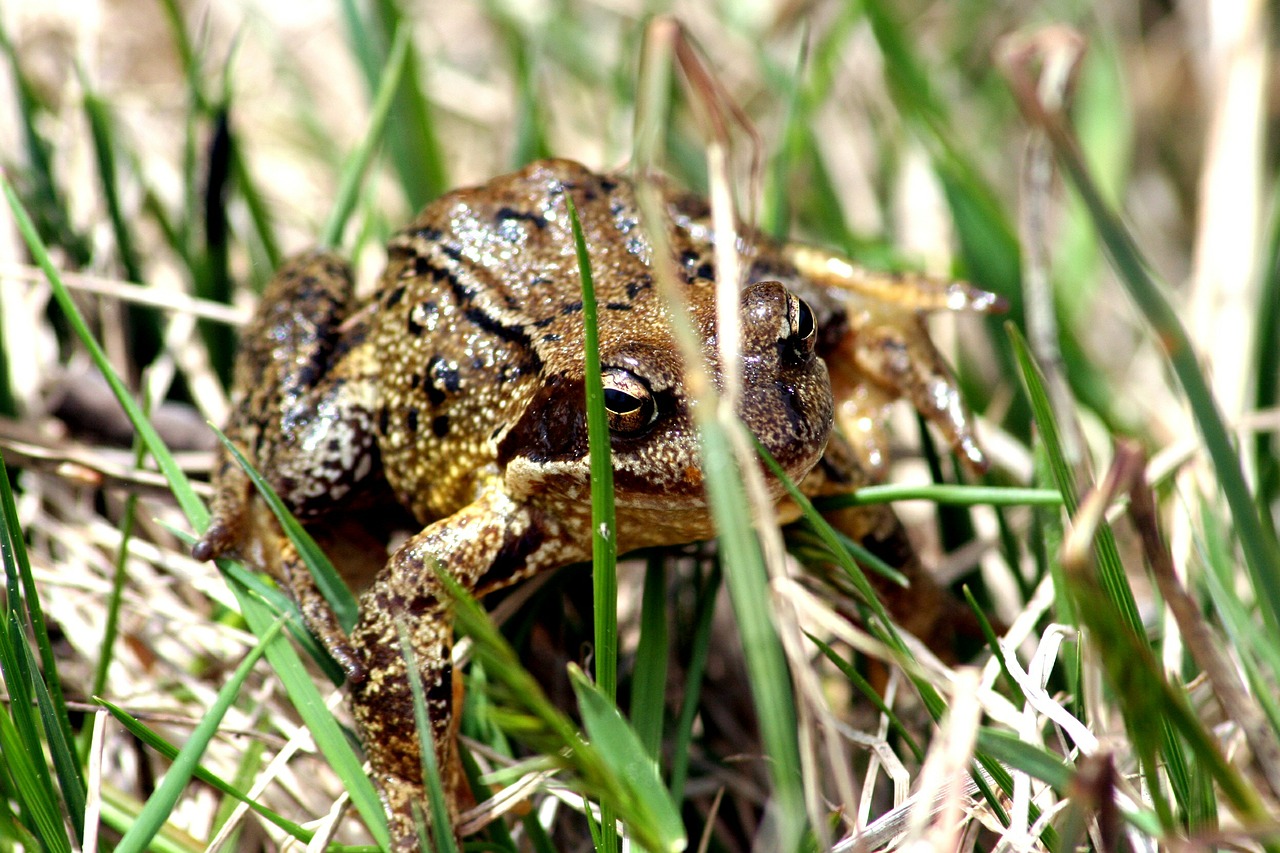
(217, 541)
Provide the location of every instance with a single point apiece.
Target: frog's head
(786, 402)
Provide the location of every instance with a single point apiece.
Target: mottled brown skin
(455, 393)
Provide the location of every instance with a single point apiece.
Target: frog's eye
(628, 401)
(798, 346)
(800, 316)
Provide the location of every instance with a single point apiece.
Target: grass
(1132, 701)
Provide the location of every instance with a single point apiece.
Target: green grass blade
(1256, 533)
(328, 735)
(1110, 570)
(604, 527)
(250, 763)
(521, 707)
(629, 760)
(21, 587)
(1113, 582)
(99, 121)
(66, 762)
(1153, 707)
(870, 694)
(699, 651)
(170, 752)
(47, 202)
(178, 482)
(649, 678)
(748, 584)
(412, 144)
(358, 163)
(524, 49)
(21, 741)
(162, 802)
(110, 630)
(1025, 757)
(949, 494)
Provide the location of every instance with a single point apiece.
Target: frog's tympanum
(452, 399)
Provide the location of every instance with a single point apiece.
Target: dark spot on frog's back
(429, 234)
(635, 288)
(442, 380)
(510, 213)
(553, 427)
(440, 426)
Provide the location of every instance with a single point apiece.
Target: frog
(449, 401)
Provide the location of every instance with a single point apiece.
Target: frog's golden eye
(800, 315)
(628, 401)
(801, 332)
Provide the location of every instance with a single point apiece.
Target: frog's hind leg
(302, 417)
(282, 379)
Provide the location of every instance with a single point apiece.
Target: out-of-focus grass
(885, 127)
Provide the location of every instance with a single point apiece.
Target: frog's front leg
(493, 542)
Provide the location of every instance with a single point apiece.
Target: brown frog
(455, 393)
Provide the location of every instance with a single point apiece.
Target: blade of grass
(1110, 570)
(96, 111)
(106, 648)
(354, 169)
(21, 742)
(954, 495)
(47, 201)
(649, 678)
(1112, 581)
(22, 591)
(629, 760)
(699, 651)
(440, 830)
(162, 802)
(181, 486)
(870, 694)
(248, 767)
(66, 763)
(170, 752)
(1148, 697)
(522, 708)
(412, 144)
(604, 545)
(329, 737)
(1255, 530)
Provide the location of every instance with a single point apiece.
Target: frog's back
(480, 309)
